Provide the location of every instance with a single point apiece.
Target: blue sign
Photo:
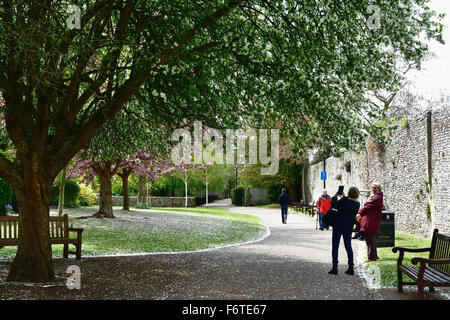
(323, 175)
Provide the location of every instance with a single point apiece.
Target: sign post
(323, 177)
(323, 174)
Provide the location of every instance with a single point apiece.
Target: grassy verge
(272, 205)
(388, 260)
(217, 213)
(142, 231)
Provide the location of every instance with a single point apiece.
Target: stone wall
(155, 201)
(219, 193)
(258, 196)
(441, 170)
(404, 168)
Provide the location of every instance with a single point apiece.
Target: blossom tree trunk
(105, 171)
(141, 190)
(125, 174)
(207, 188)
(186, 188)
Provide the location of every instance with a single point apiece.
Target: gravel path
(291, 263)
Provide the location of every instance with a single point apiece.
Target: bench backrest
(440, 249)
(9, 227)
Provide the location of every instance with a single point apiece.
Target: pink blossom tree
(146, 166)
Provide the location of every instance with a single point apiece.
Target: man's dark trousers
(284, 210)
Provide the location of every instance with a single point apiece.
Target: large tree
(303, 62)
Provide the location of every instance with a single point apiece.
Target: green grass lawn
(388, 260)
(160, 230)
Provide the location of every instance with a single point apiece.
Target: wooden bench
(59, 233)
(295, 206)
(311, 209)
(432, 272)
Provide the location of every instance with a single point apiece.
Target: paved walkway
(294, 261)
(291, 263)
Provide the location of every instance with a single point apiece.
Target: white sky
(434, 78)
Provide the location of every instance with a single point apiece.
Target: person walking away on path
(370, 215)
(284, 202)
(323, 206)
(347, 209)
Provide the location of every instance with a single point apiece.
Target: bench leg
(66, 251)
(78, 255)
(421, 291)
(399, 281)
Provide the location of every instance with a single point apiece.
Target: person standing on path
(323, 206)
(347, 209)
(370, 215)
(284, 202)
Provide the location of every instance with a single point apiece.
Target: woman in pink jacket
(370, 220)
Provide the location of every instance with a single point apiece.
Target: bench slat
(442, 251)
(413, 272)
(435, 275)
(9, 242)
(438, 274)
(430, 276)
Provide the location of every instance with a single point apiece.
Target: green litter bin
(386, 236)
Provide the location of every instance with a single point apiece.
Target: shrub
(71, 194)
(275, 191)
(142, 206)
(428, 211)
(87, 196)
(7, 198)
(237, 196)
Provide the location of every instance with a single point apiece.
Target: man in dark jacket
(347, 208)
(370, 215)
(284, 202)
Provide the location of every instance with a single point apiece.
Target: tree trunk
(126, 187)
(185, 191)
(33, 261)
(305, 192)
(149, 193)
(207, 191)
(105, 172)
(105, 209)
(126, 194)
(141, 191)
(62, 186)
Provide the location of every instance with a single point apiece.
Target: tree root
(98, 215)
